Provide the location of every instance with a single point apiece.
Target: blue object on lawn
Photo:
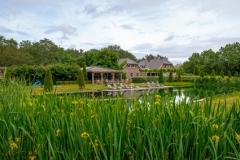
(37, 83)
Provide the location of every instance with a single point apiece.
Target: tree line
(45, 52)
(225, 61)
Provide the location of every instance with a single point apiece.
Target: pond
(178, 93)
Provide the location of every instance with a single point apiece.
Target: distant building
(156, 63)
(97, 74)
(130, 68)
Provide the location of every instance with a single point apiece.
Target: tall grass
(70, 127)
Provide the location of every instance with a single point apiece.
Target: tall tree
(81, 81)
(48, 81)
(160, 77)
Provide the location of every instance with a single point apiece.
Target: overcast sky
(172, 28)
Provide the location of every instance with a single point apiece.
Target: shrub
(31, 73)
(160, 77)
(179, 77)
(81, 81)
(48, 81)
(144, 79)
(170, 78)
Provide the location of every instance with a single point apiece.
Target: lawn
(229, 99)
(179, 84)
(71, 88)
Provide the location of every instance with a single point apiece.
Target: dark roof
(126, 61)
(96, 69)
(154, 63)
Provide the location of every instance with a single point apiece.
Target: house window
(137, 74)
(131, 74)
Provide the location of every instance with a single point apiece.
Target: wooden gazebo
(103, 75)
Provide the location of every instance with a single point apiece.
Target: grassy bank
(229, 99)
(71, 88)
(69, 127)
(179, 84)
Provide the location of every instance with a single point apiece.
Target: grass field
(70, 127)
(71, 88)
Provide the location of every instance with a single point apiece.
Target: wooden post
(121, 76)
(113, 77)
(92, 78)
(101, 78)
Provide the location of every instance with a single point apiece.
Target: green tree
(170, 78)
(160, 76)
(85, 72)
(48, 81)
(81, 81)
(179, 75)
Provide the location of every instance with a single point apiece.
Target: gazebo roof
(95, 69)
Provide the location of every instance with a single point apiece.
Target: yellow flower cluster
(157, 99)
(215, 126)
(237, 136)
(84, 135)
(215, 138)
(13, 144)
(58, 132)
(31, 156)
(96, 144)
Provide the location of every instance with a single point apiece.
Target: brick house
(130, 68)
(156, 63)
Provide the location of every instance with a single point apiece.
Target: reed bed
(154, 127)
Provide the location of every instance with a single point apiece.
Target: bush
(160, 77)
(60, 72)
(144, 79)
(48, 81)
(170, 79)
(216, 85)
(81, 81)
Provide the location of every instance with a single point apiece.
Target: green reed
(72, 127)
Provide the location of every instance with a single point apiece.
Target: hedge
(33, 73)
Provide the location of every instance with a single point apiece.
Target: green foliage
(225, 60)
(81, 79)
(120, 52)
(216, 85)
(144, 79)
(103, 58)
(160, 77)
(84, 72)
(73, 127)
(179, 75)
(170, 78)
(42, 52)
(48, 81)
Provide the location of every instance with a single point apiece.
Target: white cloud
(173, 28)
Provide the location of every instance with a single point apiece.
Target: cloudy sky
(172, 28)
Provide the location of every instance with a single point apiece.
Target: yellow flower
(215, 126)
(84, 135)
(96, 144)
(58, 132)
(237, 137)
(17, 140)
(215, 138)
(13, 145)
(158, 98)
(74, 102)
(31, 156)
